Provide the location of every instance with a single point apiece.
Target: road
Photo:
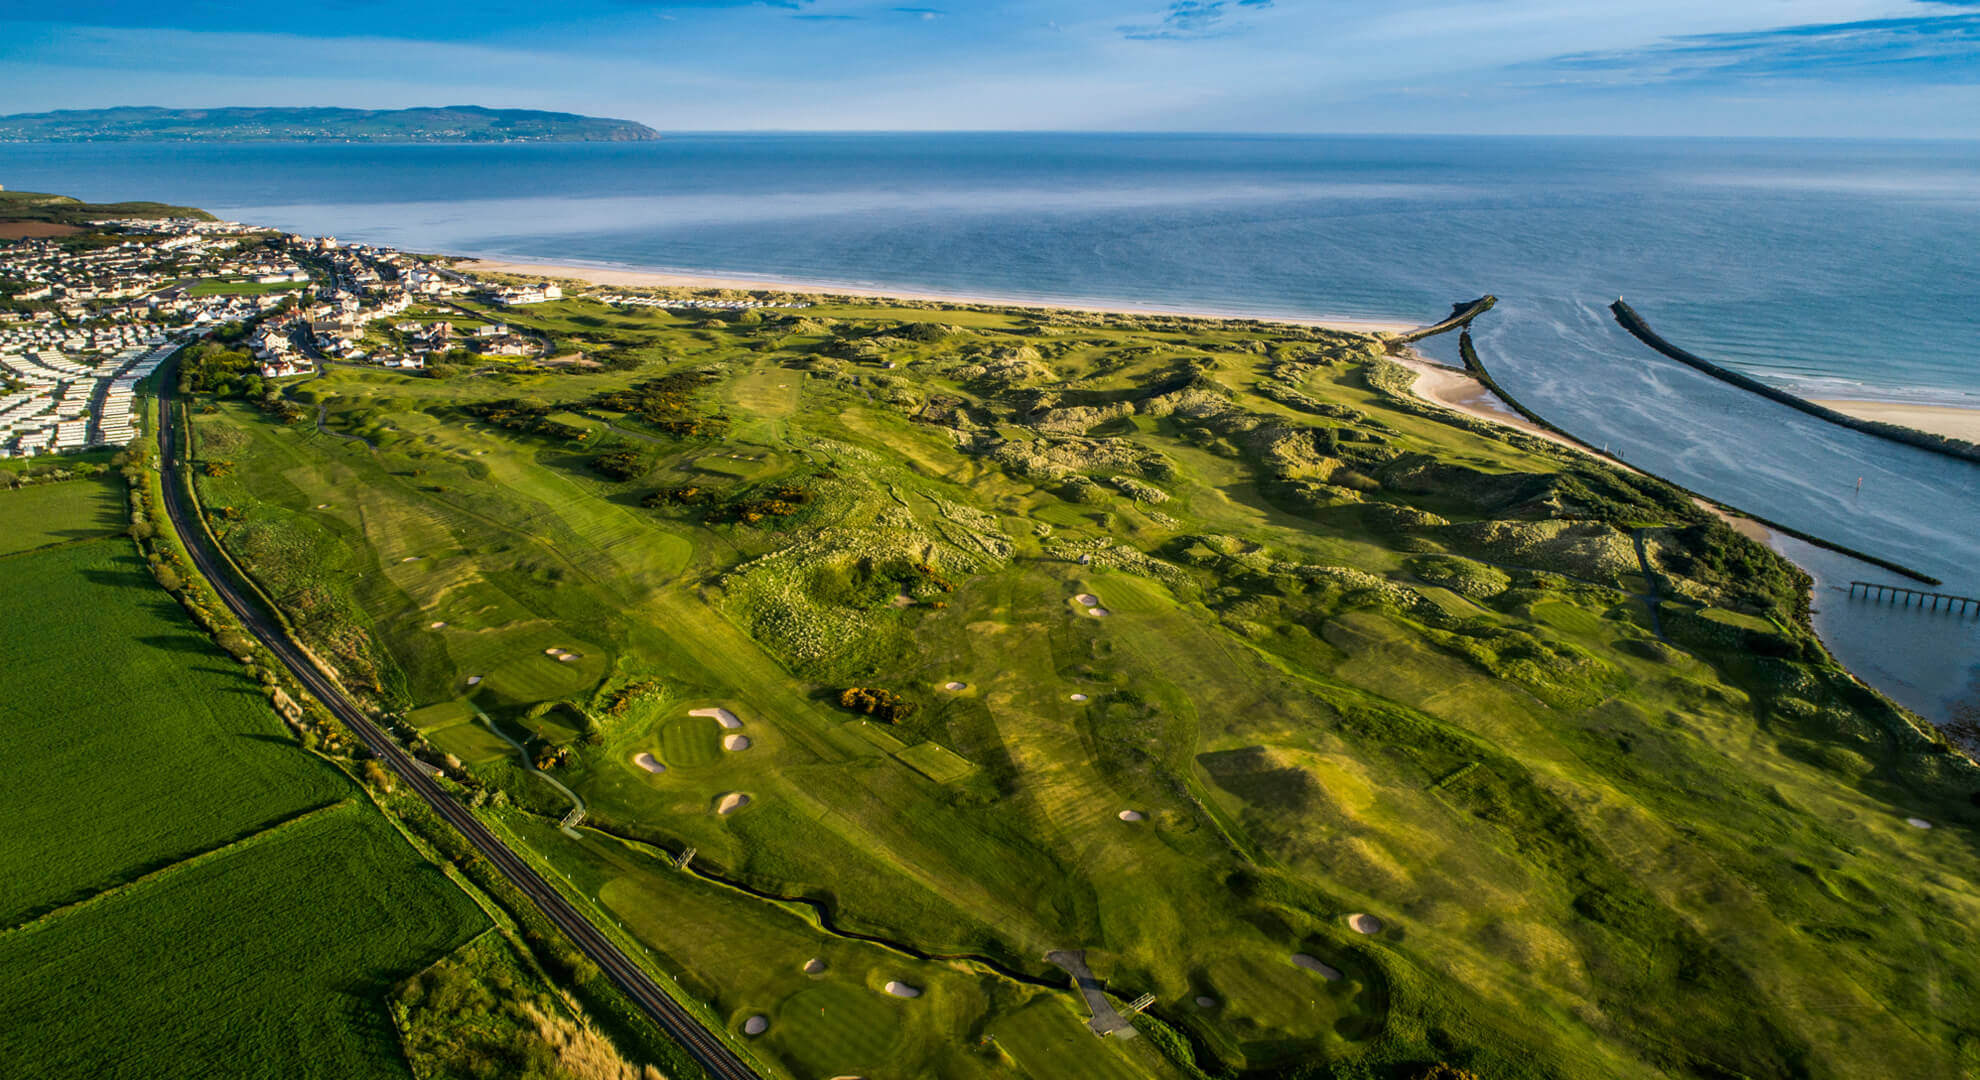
(705, 1046)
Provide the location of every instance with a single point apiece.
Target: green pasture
(271, 959)
(116, 706)
(184, 891)
(42, 514)
(1362, 658)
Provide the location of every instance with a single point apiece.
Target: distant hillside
(35, 206)
(453, 123)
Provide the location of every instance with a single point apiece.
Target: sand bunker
(952, 687)
(722, 716)
(756, 1025)
(435, 625)
(1087, 599)
(1917, 823)
(567, 658)
(1364, 924)
(903, 600)
(1133, 815)
(735, 742)
(553, 651)
(1098, 612)
(813, 966)
(323, 506)
(410, 558)
(1079, 697)
(903, 990)
(646, 761)
(472, 679)
(732, 802)
(1206, 1003)
(1327, 971)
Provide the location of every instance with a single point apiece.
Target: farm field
(183, 890)
(1335, 723)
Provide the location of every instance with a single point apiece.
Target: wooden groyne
(1923, 440)
(1461, 315)
(1924, 601)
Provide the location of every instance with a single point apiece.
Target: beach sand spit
(658, 279)
(1952, 421)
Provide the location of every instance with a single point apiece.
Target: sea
(1834, 269)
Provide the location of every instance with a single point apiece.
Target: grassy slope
(1596, 854)
(232, 905)
(63, 210)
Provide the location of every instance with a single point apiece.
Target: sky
(1904, 68)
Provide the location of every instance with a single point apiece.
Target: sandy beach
(1457, 391)
(657, 279)
(1952, 421)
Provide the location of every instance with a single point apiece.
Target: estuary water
(1833, 268)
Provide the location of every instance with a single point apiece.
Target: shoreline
(623, 277)
(1463, 395)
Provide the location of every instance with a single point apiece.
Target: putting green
(1268, 997)
(835, 1029)
(1047, 1044)
(471, 743)
(440, 715)
(691, 742)
(936, 762)
(1565, 616)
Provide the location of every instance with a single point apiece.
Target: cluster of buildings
(80, 326)
(54, 404)
(143, 279)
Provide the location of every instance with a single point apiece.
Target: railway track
(704, 1045)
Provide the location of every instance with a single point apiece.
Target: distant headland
(451, 123)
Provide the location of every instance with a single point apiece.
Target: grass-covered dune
(1339, 725)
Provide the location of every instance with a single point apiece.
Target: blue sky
(1765, 67)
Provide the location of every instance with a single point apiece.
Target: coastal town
(82, 325)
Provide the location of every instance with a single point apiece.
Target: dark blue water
(1843, 269)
